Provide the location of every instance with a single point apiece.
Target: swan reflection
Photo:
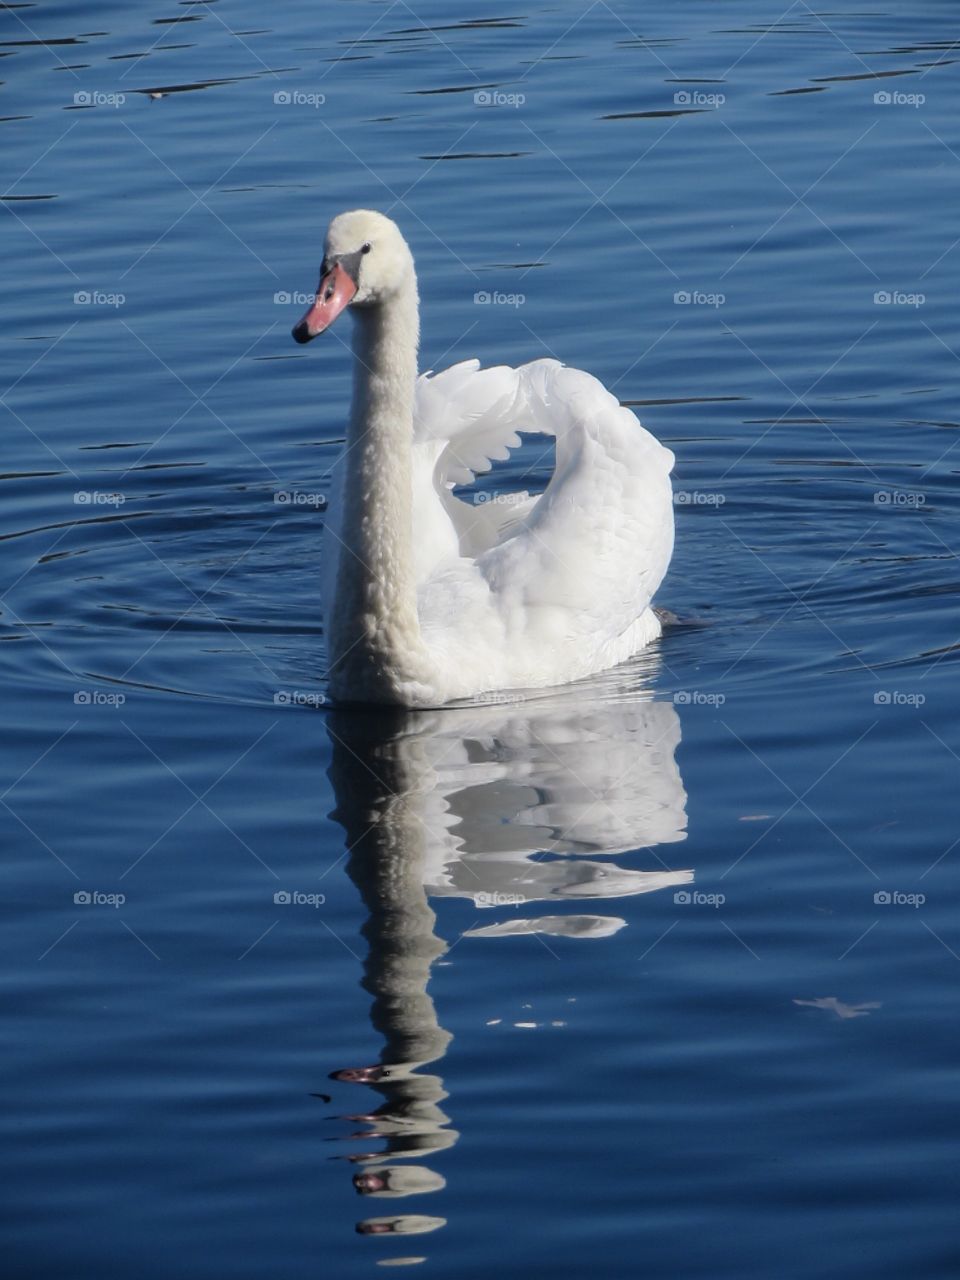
(509, 805)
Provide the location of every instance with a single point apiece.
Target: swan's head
(365, 261)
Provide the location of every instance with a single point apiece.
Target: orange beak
(334, 292)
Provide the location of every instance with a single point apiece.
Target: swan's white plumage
(518, 592)
(554, 587)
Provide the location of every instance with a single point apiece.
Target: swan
(428, 599)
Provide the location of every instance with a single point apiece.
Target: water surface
(653, 975)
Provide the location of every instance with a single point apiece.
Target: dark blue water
(653, 976)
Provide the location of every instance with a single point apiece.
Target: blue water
(653, 976)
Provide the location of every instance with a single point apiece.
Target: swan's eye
(366, 247)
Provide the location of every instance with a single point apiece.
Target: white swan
(428, 598)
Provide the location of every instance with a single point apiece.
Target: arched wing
(592, 549)
(466, 419)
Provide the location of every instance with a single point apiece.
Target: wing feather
(591, 550)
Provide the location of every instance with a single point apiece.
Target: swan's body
(428, 598)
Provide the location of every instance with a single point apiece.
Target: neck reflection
(511, 805)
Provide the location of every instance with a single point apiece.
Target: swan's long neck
(374, 632)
